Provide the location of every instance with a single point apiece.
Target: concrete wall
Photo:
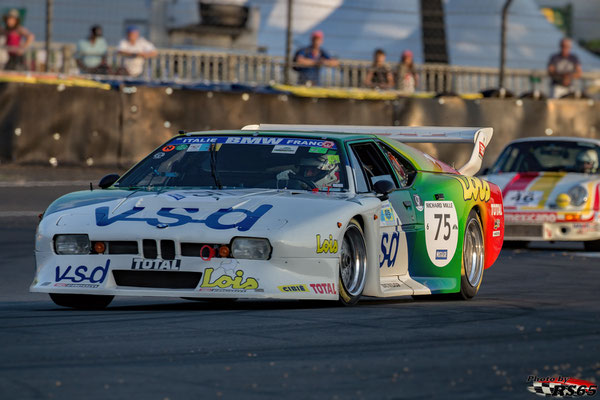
(82, 126)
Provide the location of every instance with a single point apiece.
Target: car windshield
(540, 156)
(241, 162)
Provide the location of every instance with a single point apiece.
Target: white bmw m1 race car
(281, 212)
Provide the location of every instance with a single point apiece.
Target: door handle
(439, 196)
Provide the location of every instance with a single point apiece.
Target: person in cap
(18, 39)
(91, 52)
(407, 75)
(135, 50)
(308, 60)
(379, 75)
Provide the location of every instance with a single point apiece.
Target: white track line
(44, 183)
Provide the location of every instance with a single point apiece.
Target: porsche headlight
(72, 244)
(578, 194)
(251, 248)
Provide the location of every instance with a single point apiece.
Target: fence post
(49, 4)
(288, 44)
(503, 43)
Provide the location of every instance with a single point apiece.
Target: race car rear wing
(480, 137)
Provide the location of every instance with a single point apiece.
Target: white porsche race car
(285, 212)
(551, 190)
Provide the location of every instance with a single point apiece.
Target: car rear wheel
(81, 301)
(592, 245)
(473, 260)
(353, 264)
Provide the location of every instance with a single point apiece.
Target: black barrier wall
(89, 126)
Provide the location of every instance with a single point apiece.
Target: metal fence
(260, 69)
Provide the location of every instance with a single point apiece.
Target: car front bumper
(126, 275)
(552, 226)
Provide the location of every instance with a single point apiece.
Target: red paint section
(491, 211)
(597, 199)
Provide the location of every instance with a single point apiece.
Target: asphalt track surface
(537, 313)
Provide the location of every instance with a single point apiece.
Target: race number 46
(441, 231)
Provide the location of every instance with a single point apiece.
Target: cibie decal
(183, 217)
(82, 273)
(441, 231)
(474, 188)
(328, 245)
(225, 281)
(293, 288)
(143, 263)
(323, 288)
(389, 248)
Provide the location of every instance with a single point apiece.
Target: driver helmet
(587, 161)
(318, 170)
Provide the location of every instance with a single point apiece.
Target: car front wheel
(353, 264)
(473, 257)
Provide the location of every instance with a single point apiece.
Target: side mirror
(383, 188)
(108, 180)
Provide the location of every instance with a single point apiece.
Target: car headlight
(72, 244)
(578, 194)
(251, 248)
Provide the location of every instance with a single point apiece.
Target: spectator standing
(379, 75)
(135, 50)
(563, 68)
(18, 39)
(407, 75)
(91, 52)
(309, 60)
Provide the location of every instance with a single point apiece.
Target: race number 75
(442, 219)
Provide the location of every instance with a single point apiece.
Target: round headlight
(578, 194)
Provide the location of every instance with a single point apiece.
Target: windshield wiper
(213, 165)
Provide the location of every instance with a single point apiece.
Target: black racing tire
(473, 259)
(353, 264)
(81, 301)
(591, 245)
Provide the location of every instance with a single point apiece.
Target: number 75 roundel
(441, 231)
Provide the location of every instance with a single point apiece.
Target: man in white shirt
(135, 50)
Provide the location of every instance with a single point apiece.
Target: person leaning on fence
(379, 75)
(563, 68)
(308, 61)
(135, 50)
(407, 75)
(18, 39)
(91, 53)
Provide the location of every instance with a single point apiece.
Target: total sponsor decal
(216, 281)
(496, 210)
(323, 288)
(441, 231)
(293, 288)
(183, 217)
(474, 188)
(255, 140)
(560, 386)
(327, 246)
(81, 274)
(143, 263)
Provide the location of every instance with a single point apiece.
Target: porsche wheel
(353, 264)
(81, 301)
(473, 259)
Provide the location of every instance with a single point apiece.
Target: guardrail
(222, 66)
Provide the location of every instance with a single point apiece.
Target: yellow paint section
(545, 183)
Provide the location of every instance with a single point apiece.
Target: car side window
(361, 182)
(374, 166)
(404, 170)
